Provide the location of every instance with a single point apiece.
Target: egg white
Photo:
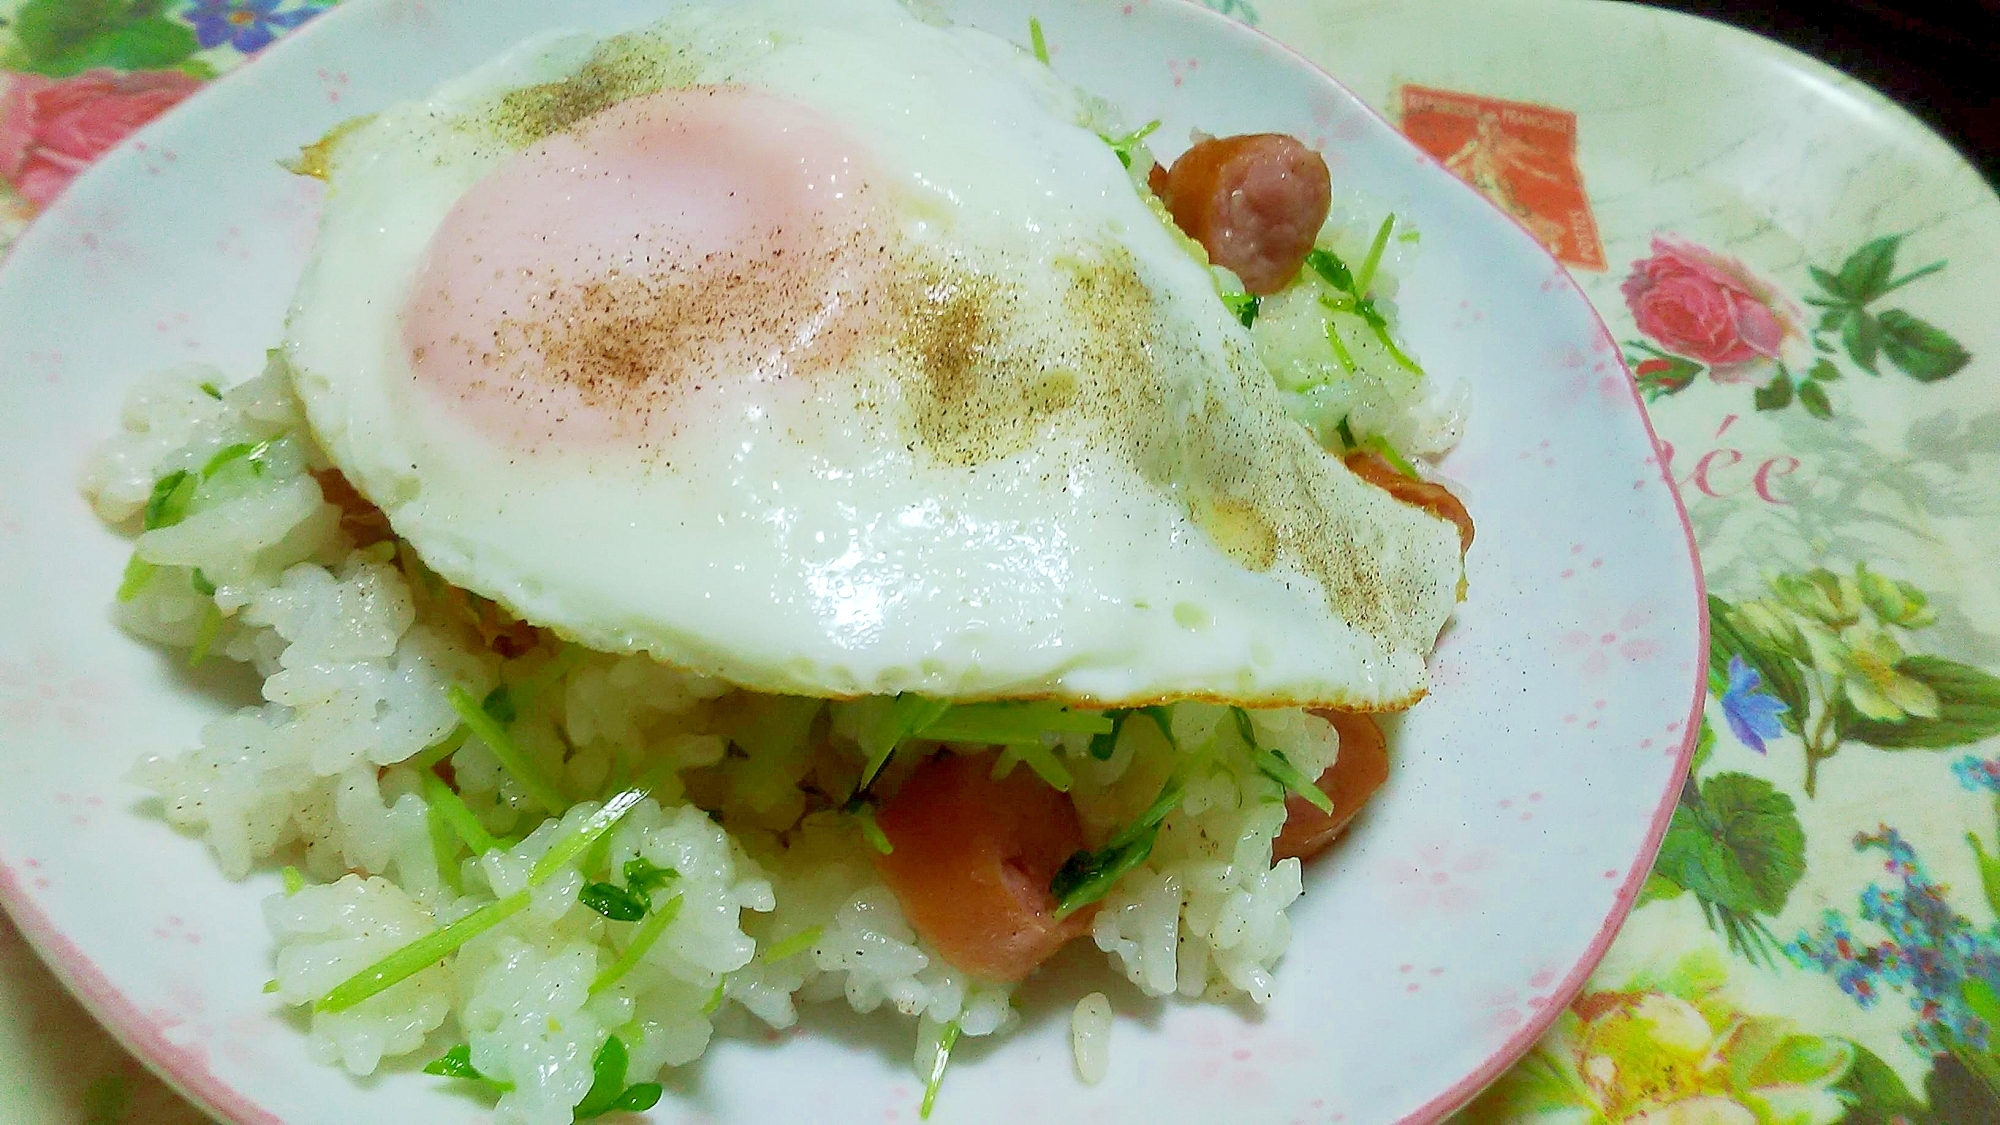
(811, 538)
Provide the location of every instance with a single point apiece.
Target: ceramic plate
(1430, 949)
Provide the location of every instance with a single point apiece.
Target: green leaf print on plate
(1830, 648)
(1662, 374)
(1812, 396)
(1865, 274)
(1236, 9)
(1954, 1094)
(64, 37)
(1777, 394)
(1736, 845)
(1923, 352)
(1875, 1095)
(1968, 708)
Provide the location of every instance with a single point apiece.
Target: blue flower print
(247, 25)
(1976, 774)
(1752, 712)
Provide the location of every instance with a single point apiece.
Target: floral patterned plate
(1432, 948)
(1801, 276)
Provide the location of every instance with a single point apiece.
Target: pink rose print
(1706, 313)
(1704, 306)
(51, 129)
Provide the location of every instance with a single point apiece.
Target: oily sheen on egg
(828, 351)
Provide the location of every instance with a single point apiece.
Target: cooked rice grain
(358, 647)
(1090, 1037)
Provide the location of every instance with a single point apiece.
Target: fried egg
(831, 352)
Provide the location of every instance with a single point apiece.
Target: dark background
(1943, 64)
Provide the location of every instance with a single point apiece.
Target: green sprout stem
(473, 715)
(907, 713)
(1381, 329)
(643, 938)
(1088, 876)
(1124, 146)
(1374, 258)
(946, 1041)
(1340, 351)
(794, 945)
(444, 848)
(138, 572)
(871, 831)
(562, 664)
(1379, 445)
(254, 453)
(421, 954)
(1014, 724)
(451, 809)
(424, 760)
(168, 504)
(1046, 765)
(1274, 765)
(205, 632)
(1010, 723)
(1278, 768)
(576, 843)
(429, 950)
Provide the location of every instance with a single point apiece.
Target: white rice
(1090, 1037)
(358, 648)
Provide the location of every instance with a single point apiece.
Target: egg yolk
(677, 242)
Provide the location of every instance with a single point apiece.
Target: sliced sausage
(358, 517)
(972, 860)
(1361, 769)
(1433, 498)
(1254, 202)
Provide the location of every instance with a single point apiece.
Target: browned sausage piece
(971, 863)
(1361, 769)
(358, 517)
(1433, 498)
(1254, 202)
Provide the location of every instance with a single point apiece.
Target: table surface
(1818, 942)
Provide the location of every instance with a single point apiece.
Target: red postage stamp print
(1520, 155)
